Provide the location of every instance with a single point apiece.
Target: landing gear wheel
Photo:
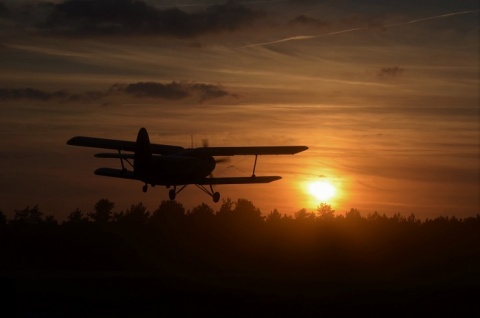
(172, 194)
(216, 197)
(145, 188)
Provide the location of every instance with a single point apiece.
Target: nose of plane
(211, 164)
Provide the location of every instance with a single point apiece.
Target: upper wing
(168, 149)
(238, 180)
(120, 145)
(235, 151)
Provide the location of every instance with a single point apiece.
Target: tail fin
(143, 154)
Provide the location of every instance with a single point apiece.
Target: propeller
(205, 144)
(223, 160)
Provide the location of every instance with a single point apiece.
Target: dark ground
(111, 294)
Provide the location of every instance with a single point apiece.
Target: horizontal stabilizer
(239, 180)
(116, 173)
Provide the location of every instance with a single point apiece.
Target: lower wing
(126, 174)
(238, 180)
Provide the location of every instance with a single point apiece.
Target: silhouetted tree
(103, 211)
(168, 211)
(412, 219)
(397, 218)
(245, 210)
(247, 207)
(226, 208)
(376, 217)
(325, 212)
(136, 215)
(472, 221)
(201, 213)
(303, 215)
(273, 217)
(76, 217)
(50, 220)
(353, 215)
(118, 216)
(3, 218)
(225, 217)
(29, 216)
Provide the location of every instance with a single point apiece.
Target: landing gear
(215, 195)
(172, 194)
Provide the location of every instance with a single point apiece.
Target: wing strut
(172, 194)
(122, 158)
(254, 166)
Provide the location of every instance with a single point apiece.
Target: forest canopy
(103, 212)
(237, 237)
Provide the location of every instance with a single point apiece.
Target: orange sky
(386, 98)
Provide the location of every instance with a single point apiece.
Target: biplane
(176, 167)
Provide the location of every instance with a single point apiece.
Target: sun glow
(322, 190)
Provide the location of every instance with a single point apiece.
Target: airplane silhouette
(175, 166)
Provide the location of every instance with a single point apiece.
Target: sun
(322, 190)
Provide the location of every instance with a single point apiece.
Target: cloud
(174, 90)
(390, 71)
(208, 91)
(170, 91)
(127, 17)
(3, 10)
(29, 93)
(305, 20)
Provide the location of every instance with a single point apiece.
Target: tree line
(138, 215)
(238, 237)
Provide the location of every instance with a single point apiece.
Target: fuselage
(174, 170)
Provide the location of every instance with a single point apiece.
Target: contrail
(302, 37)
(308, 37)
(434, 17)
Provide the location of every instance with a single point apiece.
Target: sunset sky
(386, 97)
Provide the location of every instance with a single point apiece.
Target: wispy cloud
(375, 25)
